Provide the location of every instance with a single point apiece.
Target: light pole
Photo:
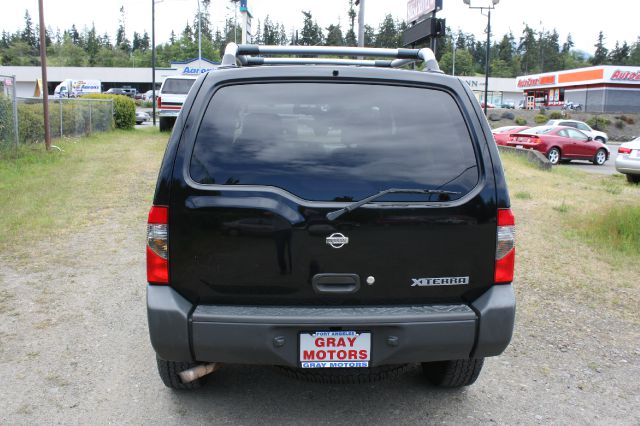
(486, 65)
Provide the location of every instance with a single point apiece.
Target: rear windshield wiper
(337, 213)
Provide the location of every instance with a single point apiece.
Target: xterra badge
(337, 240)
(423, 282)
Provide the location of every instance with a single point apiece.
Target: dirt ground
(74, 347)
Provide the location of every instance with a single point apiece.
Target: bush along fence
(67, 117)
(8, 111)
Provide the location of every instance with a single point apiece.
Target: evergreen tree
(122, 42)
(28, 34)
(350, 38)
(93, 45)
(620, 54)
(568, 45)
(528, 50)
(600, 56)
(311, 34)
(387, 33)
(334, 36)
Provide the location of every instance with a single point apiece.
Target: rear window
(177, 86)
(335, 142)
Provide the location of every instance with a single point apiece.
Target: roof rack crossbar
(244, 54)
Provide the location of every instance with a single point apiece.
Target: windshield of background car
(177, 86)
(335, 142)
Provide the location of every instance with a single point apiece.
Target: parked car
(336, 220)
(561, 144)
(501, 134)
(126, 91)
(508, 105)
(148, 95)
(583, 127)
(173, 93)
(141, 117)
(628, 160)
(139, 96)
(489, 105)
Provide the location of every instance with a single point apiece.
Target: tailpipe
(188, 376)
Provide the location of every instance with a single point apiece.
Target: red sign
(419, 8)
(538, 81)
(626, 75)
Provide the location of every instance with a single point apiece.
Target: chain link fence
(67, 118)
(8, 111)
(21, 119)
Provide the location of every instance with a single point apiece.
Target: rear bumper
(627, 166)
(269, 335)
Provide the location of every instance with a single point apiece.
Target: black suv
(341, 221)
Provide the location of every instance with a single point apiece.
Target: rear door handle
(335, 283)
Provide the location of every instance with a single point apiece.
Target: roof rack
(240, 55)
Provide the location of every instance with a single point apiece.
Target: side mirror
(589, 139)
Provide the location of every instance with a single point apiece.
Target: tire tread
(169, 373)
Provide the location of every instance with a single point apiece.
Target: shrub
(124, 109)
(508, 115)
(598, 122)
(540, 119)
(6, 120)
(627, 119)
(556, 115)
(619, 124)
(521, 121)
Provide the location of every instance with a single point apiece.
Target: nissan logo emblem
(337, 240)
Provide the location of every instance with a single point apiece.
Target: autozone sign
(419, 8)
(537, 81)
(619, 75)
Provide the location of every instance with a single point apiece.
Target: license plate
(635, 153)
(519, 146)
(335, 349)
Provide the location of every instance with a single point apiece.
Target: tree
(620, 54)
(122, 42)
(464, 62)
(369, 36)
(334, 36)
(93, 45)
(387, 33)
(350, 39)
(600, 55)
(28, 35)
(528, 50)
(270, 32)
(311, 34)
(568, 45)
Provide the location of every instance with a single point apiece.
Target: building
(501, 90)
(605, 88)
(138, 78)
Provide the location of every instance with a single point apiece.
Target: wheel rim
(554, 156)
(600, 157)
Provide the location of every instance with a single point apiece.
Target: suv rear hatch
(248, 215)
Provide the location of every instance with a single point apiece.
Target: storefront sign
(619, 75)
(537, 81)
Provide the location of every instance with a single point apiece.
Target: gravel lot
(74, 347)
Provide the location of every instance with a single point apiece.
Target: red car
(501, 134)
(561, 144)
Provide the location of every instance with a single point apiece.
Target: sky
(582, 18)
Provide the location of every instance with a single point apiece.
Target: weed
(562, 208)
(521, 121)
(523, 195)
(617, 228)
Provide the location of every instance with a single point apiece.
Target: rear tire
(554, 156)
(454, 373)
(169, 373)
(165, 124)
(600, 157)
(633, 178)
(343, 376)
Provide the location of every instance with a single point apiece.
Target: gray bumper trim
(400, 334)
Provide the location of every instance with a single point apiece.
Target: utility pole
(199, 36)
(45, 88)
(360, 23)
(153, 59)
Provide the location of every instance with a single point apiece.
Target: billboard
(416, 9)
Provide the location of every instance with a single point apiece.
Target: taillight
(157, 248)
(505, 247)
(534, 139)
(622, 150)
(159, 101)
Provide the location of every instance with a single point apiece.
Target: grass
(47, 194)
(577, 237)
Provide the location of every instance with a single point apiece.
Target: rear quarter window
(335, 142)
